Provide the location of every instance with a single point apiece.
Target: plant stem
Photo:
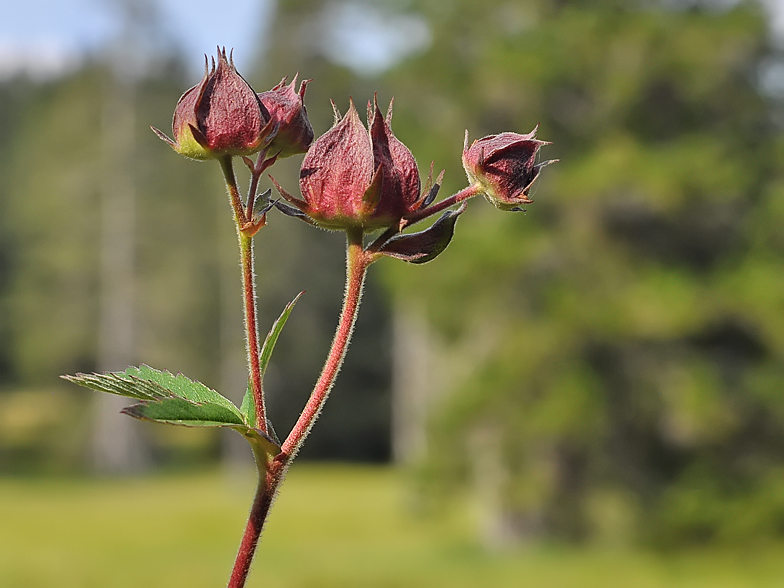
(248, 292)
(262, 163)
(457, 198)
(272, 471)
(357, 262)
(269, 480)
(234, 193)
(251, 328)
(423, 213)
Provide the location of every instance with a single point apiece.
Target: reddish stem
(248, 292)
(457, 198)
(357, 262)
(272, 472)
(251, 328)
(270, 476)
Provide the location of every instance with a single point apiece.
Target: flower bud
(221, 115)
(504, 166)
(288, 113)
(352, 177)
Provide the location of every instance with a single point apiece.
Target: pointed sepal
(426, 245)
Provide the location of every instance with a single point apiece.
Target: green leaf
(248, 407)
(272, 336)
(178, 411)
(261, 206)
(181, 386)
(166, 398)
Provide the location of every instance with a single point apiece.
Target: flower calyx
(505, 167)
(221, 115)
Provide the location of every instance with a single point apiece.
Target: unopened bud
(504, 166)
(288, 113)
(221, 115)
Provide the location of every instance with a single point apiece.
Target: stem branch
(423, 213)
(457, 198)
(262, 163)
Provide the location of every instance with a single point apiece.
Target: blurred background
(602, 372)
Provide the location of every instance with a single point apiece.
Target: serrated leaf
(176, 400)
(117, 383)
(181, 386)
(165, 397)
(178, 411)
(248, 407)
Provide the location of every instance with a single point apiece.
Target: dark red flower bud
(287, 111)
(336, 177)
(221, 115)
(504, 166)
(354, 178)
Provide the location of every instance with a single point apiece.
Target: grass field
(333, 526)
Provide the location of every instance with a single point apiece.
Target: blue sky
(46, 37)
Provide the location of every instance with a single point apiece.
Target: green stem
(234, 193)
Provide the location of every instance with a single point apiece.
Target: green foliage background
(638, 306)
(633, 318)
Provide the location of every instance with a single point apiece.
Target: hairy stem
(357, 262)
(248, 292)
(251, 328)
(234, 193)
(270, 476)
(272, 471)
(457, 198)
